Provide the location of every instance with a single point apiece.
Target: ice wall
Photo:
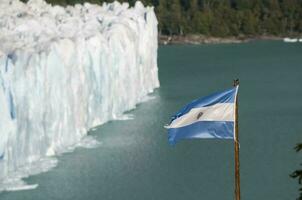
(66, 70)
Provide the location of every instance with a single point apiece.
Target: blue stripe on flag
(227, 96)
(202, 129)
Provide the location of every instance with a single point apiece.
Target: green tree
(162, 16)
(289, 8)
(174, 18)
(298, 173)
(220, 26)
(231, 18)
(202, 22)
(249, 23)
(271, 22)
(193, 17)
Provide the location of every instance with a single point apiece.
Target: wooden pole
(236, 145)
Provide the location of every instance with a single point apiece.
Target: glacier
(65, 70)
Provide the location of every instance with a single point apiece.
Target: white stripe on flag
(216, 112)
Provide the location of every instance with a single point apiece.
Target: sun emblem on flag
(199, 115)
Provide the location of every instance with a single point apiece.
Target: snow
(63, 71)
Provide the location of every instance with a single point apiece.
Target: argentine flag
(212, 116)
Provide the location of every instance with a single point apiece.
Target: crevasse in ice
(64, 70)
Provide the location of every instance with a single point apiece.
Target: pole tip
(235, 82)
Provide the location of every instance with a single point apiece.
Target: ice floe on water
(13, 181)
(64, 70)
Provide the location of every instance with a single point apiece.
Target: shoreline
(202, 39)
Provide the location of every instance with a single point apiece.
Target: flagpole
(236, 147)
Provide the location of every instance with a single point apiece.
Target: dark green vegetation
(222, 18)
(298, 173)
(230, 17)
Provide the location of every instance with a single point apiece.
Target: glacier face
(64, 70)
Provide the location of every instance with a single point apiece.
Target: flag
(212, 116)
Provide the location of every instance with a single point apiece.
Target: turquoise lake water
(135, 162)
